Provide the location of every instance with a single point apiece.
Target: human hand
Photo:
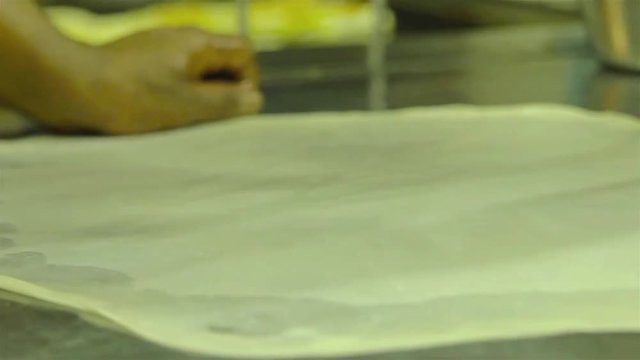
(158, 79)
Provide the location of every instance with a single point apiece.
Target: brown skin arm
(154, 80)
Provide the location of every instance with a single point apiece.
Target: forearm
(35, 57)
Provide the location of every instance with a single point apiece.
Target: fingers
(224, 101)
(223, 75)
(192, 53)
(212, 64)
(184, 76)
(222, 81)
(190, 105)
(220, 58)
(204, 103)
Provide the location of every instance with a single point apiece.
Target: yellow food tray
(273, 23)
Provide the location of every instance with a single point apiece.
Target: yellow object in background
(274, 23)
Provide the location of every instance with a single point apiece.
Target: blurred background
(280, 23)
(328, 55)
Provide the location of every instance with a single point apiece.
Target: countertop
(508, 65)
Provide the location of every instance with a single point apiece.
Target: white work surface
(335, 234)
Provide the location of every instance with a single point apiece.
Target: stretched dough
(334, 234)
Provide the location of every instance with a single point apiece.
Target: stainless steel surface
(52, 335)
(510, 65)
(551, 64)
(377, 58)
(614, 26)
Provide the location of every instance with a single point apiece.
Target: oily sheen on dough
(336, 233)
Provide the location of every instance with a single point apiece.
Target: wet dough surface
(334, 234)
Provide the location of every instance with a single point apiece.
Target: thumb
(220, 101)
